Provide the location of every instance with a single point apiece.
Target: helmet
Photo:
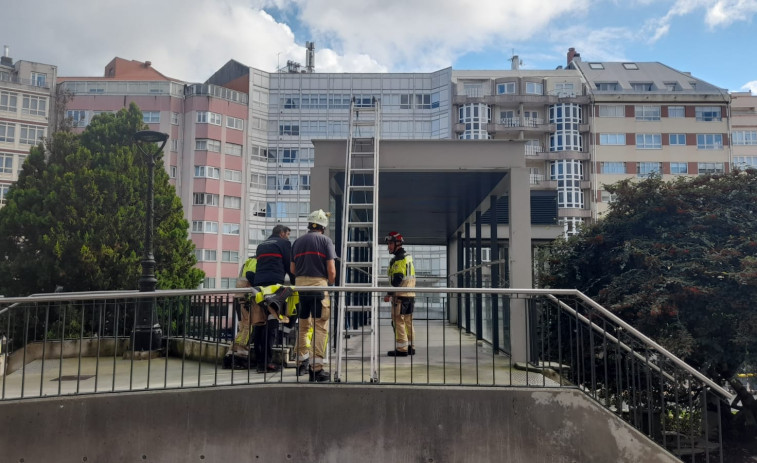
(394, 237)
(319, 218)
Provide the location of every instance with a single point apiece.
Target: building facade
(27, 106)
(241, 150)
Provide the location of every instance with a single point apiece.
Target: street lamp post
(147, 333)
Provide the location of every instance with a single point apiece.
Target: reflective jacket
(401, 273)
(278, 297)
(248, 270)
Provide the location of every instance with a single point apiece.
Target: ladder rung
(360, 206)
(360, 224)
(356, 331)
(360, 187)
(358, 308)
(359, 264)
(361, 170)
(358, 244)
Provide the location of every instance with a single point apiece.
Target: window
(232, 175)
(289, 129)
(645, 169)
(710, 168)
(207, 172)
(209, 283)
(707, 113)
(78, 117)
(506, 88)
(612, 167)
(175, 118)
(207, 117)
(678, 168)
(677, 139)
(631, 66)
(647, 113)
(607, 86)
(642, 86)
(203, 144)
(230, 256)
(423, 101)
(205, 255)
(612, 139)
(567, 135)
(172, 172)
(39, 79)
(231, 229)
(7, 132)
(30, 134)
(672, 86)
(405, 102)
(648, 141)
(234, 123)
(200, 226)
(6, 163)
(676, 111)
(745, 137)
(151, 117)
(204, 199)
(21, 161)
(508, 119)
(34, 105)
(564, 89)
(534, 88)
(473, 90)
(743, 162)
(617, 110)
(709, 141)
(174, 145)
(257, 180)
(232, 202)
(4, 188)
(607, 197)
(596, 66)
(8, 101)
(232, 149)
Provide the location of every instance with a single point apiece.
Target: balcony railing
(516, 122)
(79, 343)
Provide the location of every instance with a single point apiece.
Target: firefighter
(401, 274)
(313, 265)
(273, 263)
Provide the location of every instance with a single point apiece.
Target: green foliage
(678, 260)
(76, 216)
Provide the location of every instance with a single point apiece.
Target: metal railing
(79, 343)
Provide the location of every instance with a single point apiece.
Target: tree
(678, 260)
(76, 216)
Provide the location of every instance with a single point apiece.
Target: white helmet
(319, 218)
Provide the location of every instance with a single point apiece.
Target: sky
(715, 40)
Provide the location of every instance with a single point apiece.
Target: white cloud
(717, 13)
(750, 86)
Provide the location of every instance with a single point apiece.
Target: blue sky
(190, 39)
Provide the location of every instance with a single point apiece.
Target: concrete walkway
(445, 356)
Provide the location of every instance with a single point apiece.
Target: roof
(121, 69)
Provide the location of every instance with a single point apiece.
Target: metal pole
(147, 331)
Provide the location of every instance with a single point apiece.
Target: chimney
(148, 64)
(310, 56)
(572, 55)
(6, 58)
(514, 63)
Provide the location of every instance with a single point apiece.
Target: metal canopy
(427, 188)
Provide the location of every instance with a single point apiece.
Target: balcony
(539, 153)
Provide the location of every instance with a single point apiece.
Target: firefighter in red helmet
(401, 275)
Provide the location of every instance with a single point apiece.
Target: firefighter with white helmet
(313, 265)
(401, 273)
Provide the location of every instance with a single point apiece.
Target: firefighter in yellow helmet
(313, 265)
(401, 274)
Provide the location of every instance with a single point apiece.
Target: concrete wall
(330, 423)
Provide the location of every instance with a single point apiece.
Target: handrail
(638, 334)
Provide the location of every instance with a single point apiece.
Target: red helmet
(394, 237)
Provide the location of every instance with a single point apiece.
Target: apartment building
(204, 155)
(744, 130)
(27, 100)
(649, 118)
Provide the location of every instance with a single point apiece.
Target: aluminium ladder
(359, 250)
